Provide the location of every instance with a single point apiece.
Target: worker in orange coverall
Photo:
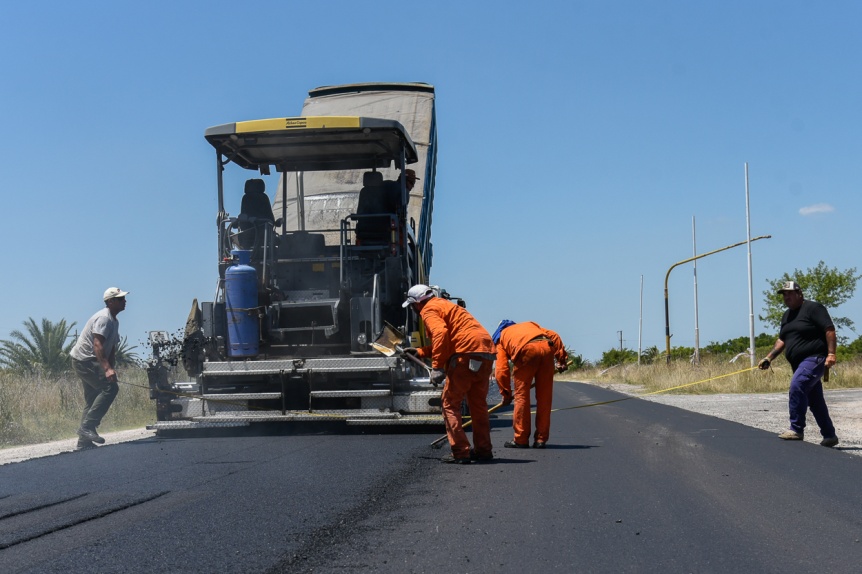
(535, 352)
(462, 353)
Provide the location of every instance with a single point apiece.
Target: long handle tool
(416, 360)
(388, 344)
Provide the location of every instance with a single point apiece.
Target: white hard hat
(417, 294)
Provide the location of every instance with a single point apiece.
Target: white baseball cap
(114, 292)
(417, 294)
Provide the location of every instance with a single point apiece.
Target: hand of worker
(507, 397)
(412, 351)
(764, 364)
(437, 377)
(561, 368)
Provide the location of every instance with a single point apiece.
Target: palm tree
(125, 357)
(42, 349)
(650, 354)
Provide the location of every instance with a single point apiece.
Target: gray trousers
(99, 392)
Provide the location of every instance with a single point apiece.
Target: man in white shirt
(93, 358)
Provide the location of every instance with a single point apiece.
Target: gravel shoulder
(763, 411)
(22, 453)
(767, 411)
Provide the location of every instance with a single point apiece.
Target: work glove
(437, 377)
(412, 351)
(763, 364)
(561, 367)
(507, 397)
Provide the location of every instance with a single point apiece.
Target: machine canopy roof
(313, 143)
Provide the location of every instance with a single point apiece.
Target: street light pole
(750, 284)
(667, 276)
(696, 324)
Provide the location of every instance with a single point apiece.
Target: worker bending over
(462, 353)
(535, 352)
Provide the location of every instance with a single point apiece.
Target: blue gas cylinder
(241, 306)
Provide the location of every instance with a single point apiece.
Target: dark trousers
(99, 392)
(806, 391)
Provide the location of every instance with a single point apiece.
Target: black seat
(255, 212)
(375, 197)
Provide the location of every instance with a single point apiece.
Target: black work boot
(84, 445)
(90, 435)
(481, 457)
(450, 459)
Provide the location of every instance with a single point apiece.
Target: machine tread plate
(266, 417)
(276, 416)
(239, 396)
(354, 393)
(353, 418)
(287, 366)
(190, 425)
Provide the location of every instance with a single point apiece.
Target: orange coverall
(456, 338)
(532, 349)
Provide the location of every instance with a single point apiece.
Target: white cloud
(816, 208)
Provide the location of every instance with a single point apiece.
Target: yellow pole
(667, 276)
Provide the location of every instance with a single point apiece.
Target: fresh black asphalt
(630, 486)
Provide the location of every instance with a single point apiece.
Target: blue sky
(577, 141)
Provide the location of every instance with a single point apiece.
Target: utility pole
(621, 341)
(641, 321)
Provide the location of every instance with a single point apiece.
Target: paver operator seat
(255, 211)
(375, 197)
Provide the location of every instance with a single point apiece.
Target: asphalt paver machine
(308, 282)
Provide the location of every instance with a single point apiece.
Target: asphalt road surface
(629, 486)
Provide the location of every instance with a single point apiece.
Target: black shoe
(90, 435)
(513, 444)
(84, 445)
(539, 444)
(481, 458)
(450, 459)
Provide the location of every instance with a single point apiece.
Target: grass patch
(36, 409)
(661, 376)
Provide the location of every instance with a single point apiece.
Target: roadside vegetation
(655, 373)
(36, 407)
(41, 399)
(658, 376)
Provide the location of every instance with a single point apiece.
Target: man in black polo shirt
(807, 337)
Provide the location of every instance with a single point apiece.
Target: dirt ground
(763, 411)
